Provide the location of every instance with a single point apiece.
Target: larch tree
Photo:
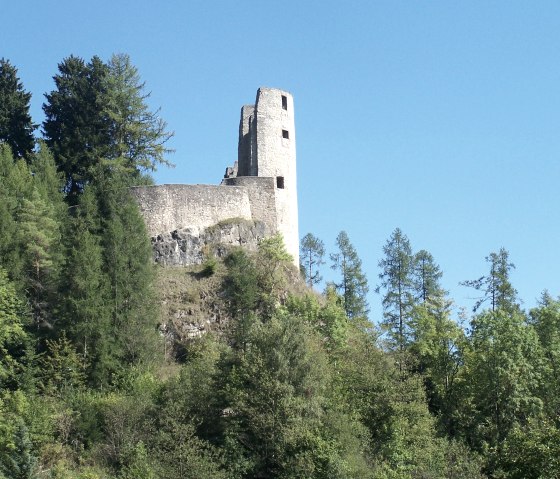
(16, 126)
(496, 286)
(138, 135)
(312, 251)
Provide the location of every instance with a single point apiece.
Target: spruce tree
(40, 236)
(353, 285)
(127, 262)
(85, 290)
(397, 281)
(16, 127)
(76, 127)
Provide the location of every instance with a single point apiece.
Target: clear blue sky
(439, 117)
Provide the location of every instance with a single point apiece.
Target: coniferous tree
(16, 127)
(127, 262)
(98, 122)
(353, 285)
(76, 127)
(40, 236)
(312, 250)
(496, 286)
(85, 289)
(397, 281)
(426, 277)
(138, 135)
(15, 185)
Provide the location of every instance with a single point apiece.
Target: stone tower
(260, 188)
(267, 149)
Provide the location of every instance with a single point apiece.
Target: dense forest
(293, 384)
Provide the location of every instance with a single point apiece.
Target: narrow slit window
(284, 102)
(286, 134)
(280, 182)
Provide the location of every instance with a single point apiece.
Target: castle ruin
(257, 197)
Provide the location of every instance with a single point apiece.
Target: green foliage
(277, 394)
(312, 251)
(15, 186)
(127, 262)
(501, 377)
(353, 285)
(397, 279)
(75, 127)
(545, 319)
(531, 451)
(137, 135)
(437, 349)
(13, 338)
(97, 120)
(16, 127)
(62, 367)
(328, 319)
(496, 286)
(39, 236)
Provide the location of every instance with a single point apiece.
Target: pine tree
(16, 127)
(353, 285)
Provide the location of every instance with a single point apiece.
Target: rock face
(191, 245)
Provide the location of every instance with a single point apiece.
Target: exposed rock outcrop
(191, 246)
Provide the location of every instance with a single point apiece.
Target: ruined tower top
(267, 148)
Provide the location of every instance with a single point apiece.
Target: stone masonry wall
(167, 208)
(262, 199)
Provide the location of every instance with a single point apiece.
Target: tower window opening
(280, 182)
(285, 134)
(284, 102)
